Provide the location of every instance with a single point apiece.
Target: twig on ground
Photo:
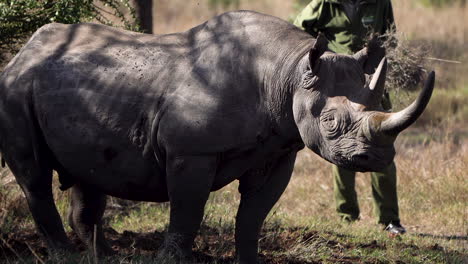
(35, 254)
(12, 249)
(95, 258)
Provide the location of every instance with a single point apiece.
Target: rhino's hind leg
(85, 217)
(257, 199)
(36, 183)
(189, 182)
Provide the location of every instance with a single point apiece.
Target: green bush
(20, 18)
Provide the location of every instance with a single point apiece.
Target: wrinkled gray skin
(174, 117)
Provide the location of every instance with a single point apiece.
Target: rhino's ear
(370, 56)
(320, 46)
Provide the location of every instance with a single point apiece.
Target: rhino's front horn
(397, 122)
(377, 85)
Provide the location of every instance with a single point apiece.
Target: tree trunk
(144, 14)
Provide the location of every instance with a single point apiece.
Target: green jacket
(346, 29)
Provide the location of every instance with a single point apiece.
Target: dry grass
(443, 30)
(432, 186)
(443, 24)
(411, 17)
(180, 15)
(447, 24)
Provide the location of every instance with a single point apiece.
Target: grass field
(432, 161)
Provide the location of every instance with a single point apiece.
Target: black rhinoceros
(174, 117)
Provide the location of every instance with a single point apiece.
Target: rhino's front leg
(258, 195)
(189, 181)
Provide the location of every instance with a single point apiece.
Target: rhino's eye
(309, 80)
(329, 121)
(330, 124)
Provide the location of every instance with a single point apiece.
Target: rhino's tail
(43, 154)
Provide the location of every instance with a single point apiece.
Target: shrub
(20, 18)
(406, 62)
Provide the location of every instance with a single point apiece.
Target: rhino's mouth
(363, 161)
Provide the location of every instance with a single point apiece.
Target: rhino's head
(339, 114)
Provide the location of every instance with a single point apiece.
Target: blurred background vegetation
(432, 156)
(440, 3)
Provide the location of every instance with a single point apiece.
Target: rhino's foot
(101, 248)
(176, 248)
(169, 256)
(59, 252)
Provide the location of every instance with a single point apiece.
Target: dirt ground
(211, 247)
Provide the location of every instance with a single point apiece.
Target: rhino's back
(105, 99)
(207, 84)
(107, 87)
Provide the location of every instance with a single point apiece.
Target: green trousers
(383, 191)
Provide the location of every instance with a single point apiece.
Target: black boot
(395, 228)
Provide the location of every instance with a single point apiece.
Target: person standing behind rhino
(347, 24)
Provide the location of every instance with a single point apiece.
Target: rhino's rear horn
(377, 86)
(320, 46)
(370, 56)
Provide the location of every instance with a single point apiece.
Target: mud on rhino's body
(173, 117)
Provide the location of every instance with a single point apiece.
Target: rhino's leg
(189, 181)
(258, 195)
(36, 182)
(87, 207)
